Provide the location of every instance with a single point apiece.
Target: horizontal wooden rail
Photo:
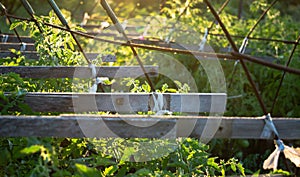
(78, 72)
(34, 55)
(126, 126)
(124, 102)
(17, 46)
(134, 39)
(11, 38)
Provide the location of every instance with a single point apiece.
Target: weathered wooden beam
(34, 55)
(17, 46)
(124, 102)
(78, 72)
(29, 55)
(91, 26)
(111, 34)
(14, 39)
(126, 126)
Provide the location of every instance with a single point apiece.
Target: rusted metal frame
(265, 63)
(256, 38)
(116, 22)
(233, 55)
(247, 37)
(31, 12)
(65, 23)
(283, 74)
(219, 12)
(4, 12)
(258, 96)
(163, 49)
(260, 18)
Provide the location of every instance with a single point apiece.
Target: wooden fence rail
(124, 102)
(35, 55)
(121, 126)
(78, 71)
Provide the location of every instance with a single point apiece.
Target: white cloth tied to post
(85, 19)
(168, 38)
(269, 128)
(96, 80)
(23, 46)
(289, 152)
(158, 104)
(4, 38)
(202, 43)
(242, 49)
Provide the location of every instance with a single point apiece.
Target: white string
(289, 152)
(168, 38)
(242, 49)
(202, 43)
(4, 38)
(243, 46)
(124, 24)
(104, 24)
(146, 30)
(23, 46)
(93, 68)
(85, 19)
(269, 128)
(159, 104)
(93, 88)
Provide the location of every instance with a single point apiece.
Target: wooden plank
(111, 34)
(131, 126)
(91, 26)
(85, 102)
(14, 39)
(124, 102)
(16, 46)
(78, 72)
(35, 55)
(80, 126)
(29, 55)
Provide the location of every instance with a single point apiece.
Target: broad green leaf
(104, 161)
(32, 149)
(143, 172)
(241, 168)
(110, 170)
(87, 171)
(15, 24)
(233, 167)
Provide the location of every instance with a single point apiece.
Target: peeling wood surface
(35, 56)
(13, 38)
(17, 46)
(78, 72)
(141, 126)
(124, 102)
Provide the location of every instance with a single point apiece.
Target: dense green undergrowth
(113, 157)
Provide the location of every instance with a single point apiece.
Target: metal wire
(4, 11)
(64, 22)
(247, 37)
(233, 55)
(258, 96)
(115, 20)
(283, 74)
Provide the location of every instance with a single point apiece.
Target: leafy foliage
(81, 157)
